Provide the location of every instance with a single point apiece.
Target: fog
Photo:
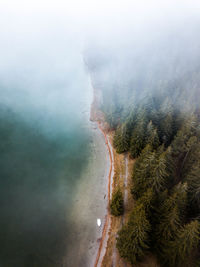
(42, 41)
(45, 94)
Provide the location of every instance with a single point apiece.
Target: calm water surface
(45, 149)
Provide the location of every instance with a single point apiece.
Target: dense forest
(150, 98)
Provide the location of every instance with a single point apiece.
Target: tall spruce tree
(181, 249)
(148, 201)
(152, 137)
(133, 238)
(170, 217)
(142, 171)
(121, 139)
(138, 138)
(193, 181)
(116, 205)
(159, 173)
(166, 128)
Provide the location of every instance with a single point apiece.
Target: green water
(44, 150)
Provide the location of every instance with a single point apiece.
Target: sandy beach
(97, 117)
(90, 203)
(105, 233)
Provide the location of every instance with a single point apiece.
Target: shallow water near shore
(89, 203)
(53, 174)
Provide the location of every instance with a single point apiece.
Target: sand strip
(106, 228)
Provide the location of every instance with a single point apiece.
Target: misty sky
(41, 42)
(79, 20)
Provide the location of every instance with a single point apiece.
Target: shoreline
(106, 228)
(97, 116)
(119, 176)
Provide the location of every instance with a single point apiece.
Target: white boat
(99, 222)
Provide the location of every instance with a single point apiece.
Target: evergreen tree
(147, 200)
(150, 171)
(152, 137)
(191, 157)
(137, 142)
(193, 181)
(116, 205)
(181, 248)
(166, 128)
(181, 151)
(142, 171)
(133, 238)
(156, 123)
(169, 221)
(160, 174)
(111, 119)
(121, 139)
(171, 215)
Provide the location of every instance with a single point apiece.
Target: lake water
(53, 167)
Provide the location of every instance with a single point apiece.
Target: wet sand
(105, 233)
(90, 202)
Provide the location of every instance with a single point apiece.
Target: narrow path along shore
(107, 224)
(125, 190)
(126, 173)
(125, 186)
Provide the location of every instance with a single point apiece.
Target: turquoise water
(45, 147)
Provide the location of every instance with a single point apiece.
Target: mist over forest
(149, 90)
(165, 61)
(143, 59)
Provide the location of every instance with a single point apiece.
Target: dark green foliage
(193, 179)
(193, 189)
(166, 183)
(121, 139)
(148, 201)
(169, 220)
(181, 249)
(166, 127)
(137, 141)
(133, 239)
(152, 137)
(138, 137)
(116, 205)
(158, 123)
(159, 173)
(142, 171)
(150, 171)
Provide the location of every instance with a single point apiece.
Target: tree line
(165, 184)
(151, 100)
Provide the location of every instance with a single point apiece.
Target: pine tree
(159, 175)
(191, 157)
(150, 171)
(142, 171)
(137, 142)
(116, 205)
(152, 136)
(147, 200)
(133, 238)
(166, 128)
(121, 139)
(193, 181)
(170, 218)
(180, 249)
